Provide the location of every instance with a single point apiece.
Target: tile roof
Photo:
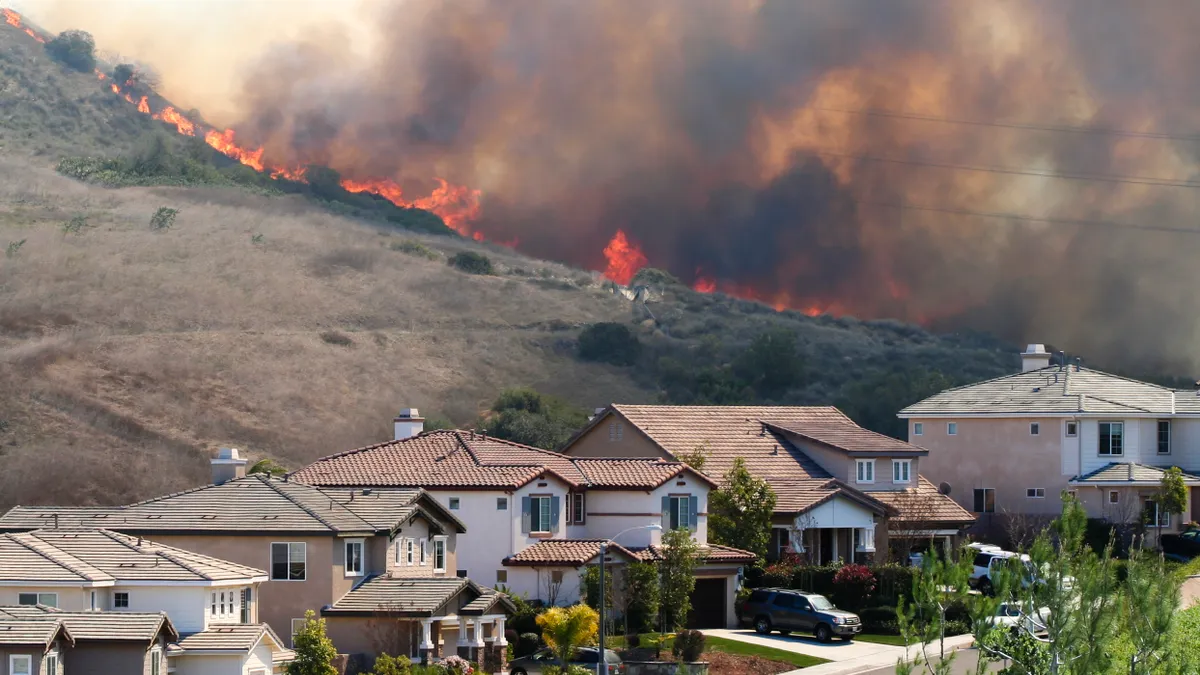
(96, 555)
(711, 553)
(1055, 390)
(798, 496)
(403, 596)
(564, 552)
(462, 459)
(234, 638)
(1129, 472)
(253, 504)
(115, 626)
(32, 631)
(923, 503)
(486, 604)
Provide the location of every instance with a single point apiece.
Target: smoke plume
(824, 155)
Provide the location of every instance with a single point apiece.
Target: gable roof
(33, 631)
(251, 505)
(923, 504)
(413, 597)
(1058, 391)
(102, 557)
(232, 639)
(710, 553)
(108, 626)
(564, 553)
(1129, 472)
(466, 460)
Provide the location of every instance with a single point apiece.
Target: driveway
(845, 657)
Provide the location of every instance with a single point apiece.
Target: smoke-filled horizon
(721, 137)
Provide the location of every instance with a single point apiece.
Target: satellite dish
(944, 488)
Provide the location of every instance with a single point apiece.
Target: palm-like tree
(565, 628)
(268, 466)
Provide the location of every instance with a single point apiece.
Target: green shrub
(13, 248)
(878, 619)
(471, 262)
(391, 665)
(415, 248)
(611, 343)
(74, 48)
(689, 645)
(163, 218)
(75, 225)
(633, 641)
(528, 643)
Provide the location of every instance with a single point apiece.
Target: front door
(826, 545)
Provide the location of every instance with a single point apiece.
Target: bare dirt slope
(258, 322)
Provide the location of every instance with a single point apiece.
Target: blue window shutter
(666, 513)
(694, 507)
(554, 504)
(526, 523)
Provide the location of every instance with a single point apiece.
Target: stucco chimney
(1034, 357)
(409, 423)
(227, 465)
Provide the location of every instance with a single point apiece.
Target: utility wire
(1029, 219)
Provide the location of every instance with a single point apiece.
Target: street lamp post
(602, 662)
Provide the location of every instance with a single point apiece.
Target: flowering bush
(852, 585)
(779, 573)
(458, 665)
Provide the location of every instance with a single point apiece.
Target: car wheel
(985, 587)
(823, 633)
(518, 671)
(762, 625)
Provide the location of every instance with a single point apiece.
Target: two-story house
(29, 647)
(526, 507)
(97, 571)
(379, 565)
(107, 642)
(1012, 445)
(842, 492)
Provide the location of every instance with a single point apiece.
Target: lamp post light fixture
(602, 662)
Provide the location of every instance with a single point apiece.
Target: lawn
(880, 639)
(731, 647)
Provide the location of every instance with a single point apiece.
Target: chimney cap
(1038, 349)
(229, 455)
(408, 414)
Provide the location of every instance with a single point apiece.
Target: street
(965, 661)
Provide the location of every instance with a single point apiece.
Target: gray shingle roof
(413, 597)
(115, 626)
(1130, 472)
(235, 638)
(32, 631)
(1057, 391)
(97, 555)
(253, 504)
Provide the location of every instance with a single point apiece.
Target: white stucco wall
(258, 659)
(610, 512)
(839, 512)
(185, 605)
(532, 582)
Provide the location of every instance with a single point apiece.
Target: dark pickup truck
(1185, 545)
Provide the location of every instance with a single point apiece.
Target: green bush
(879, 619)
(611, 343)
(527, 644)
(163, 218)
(415, 248)
(75, 49)
(471, 262)
(391, 665)
(689, 645)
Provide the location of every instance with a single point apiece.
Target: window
(577, 508)
(354, 557)
(616, 430)
(120, 601)
(864, 471)
(952, 428)
(400, 550)
(502, 577)
(502, 503)
(20, 664)
(679, 512)
(297, 626)
(1034, 428)
(52, 664)
(1072, 429)
(212, 608)
(985, 500)
(410, 552)
(918, 429)
(901, 470)
(1111, 436)
(461, 574)
(454, 503)
(287, 561)
(47, 599)
(156, 661)
(422, 551)
(1035, 493)
(539, 514)
(1114, 497)
(1152, 514)
(439, 554)
(246, 598)
(556, 577)
(93, 601)
(1164, 437)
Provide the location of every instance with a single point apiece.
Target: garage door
(708, 604)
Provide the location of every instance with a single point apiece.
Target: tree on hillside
(771, 364)
(677, 578)
(739, 513)
(314, 650)
(609, 342)
(75, 49)
(872, 402)
(530, 417)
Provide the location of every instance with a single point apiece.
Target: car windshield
(820, 602)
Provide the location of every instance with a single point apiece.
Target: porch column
(464, 647)
(834, 553)
(495, 655)
(477, 644)
(426, 647)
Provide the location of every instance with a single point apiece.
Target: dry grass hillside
(125, 353)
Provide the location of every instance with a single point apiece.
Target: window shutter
(693, 516)
(570, 508)
(666, 513)
(554, 506)
(526, 523)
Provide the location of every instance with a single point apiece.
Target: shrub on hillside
(415, 248)
(471, 262)
(611, 343)
(75, 49)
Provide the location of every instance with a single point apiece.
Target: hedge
(891, 581)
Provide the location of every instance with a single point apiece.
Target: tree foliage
(74, 48)
(1172, 494)
(874, 400)
(268, 466)
(771, 364)
(677, 578)
(471, 262)
(314, 650)
(739, 513)
(609, 342)
(641, 597)
(565, 628)
(527, 416)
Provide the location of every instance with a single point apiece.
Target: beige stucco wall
(362, 635)
(596, 443)
(73, 599)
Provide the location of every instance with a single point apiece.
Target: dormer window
(864, 471)
(901, 470)
(354, 557)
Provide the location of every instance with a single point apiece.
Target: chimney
(409, 423)
(227, 465)
(1034, 357)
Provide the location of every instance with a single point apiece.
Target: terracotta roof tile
(709, 554)
(923, 503)
(564, 552)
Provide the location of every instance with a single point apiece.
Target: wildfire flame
(224, 144)
(168, 114)
(14, 19)
(457, 205)
(143, 107)
(624, 258)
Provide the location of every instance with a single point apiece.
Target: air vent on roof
(100, 515)
(208, 516)
(273, 517)
(153, 517)
(1037, 389)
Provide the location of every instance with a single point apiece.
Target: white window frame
(1158, 436)
(501, 573)
(52, 665)
(409, 552)
(679, 508)
(38, 599)
(1072, 429)
(362, 555)
(12, 663)
(863, 467)
(156, 661)
(1163, 517)
(271, 559)
(918, 428)
(400, 550)
(296, 630)
(536, 513)
(439, 543)
(1035, 493)
(1035, 428)
(118, 596)
(902, 471)
(1100, 450)
(424, 557)
(501, 503)
(951, 428)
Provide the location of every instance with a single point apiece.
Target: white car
(1013, 616)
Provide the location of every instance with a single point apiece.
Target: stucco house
(1009, 447)
(96, 571)
(32, 647)
(322, 550)
(842, 492)
(105, 642)
(524, 506)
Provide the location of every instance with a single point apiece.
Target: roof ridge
(304, 508)
(1112, 402)
(375, 446)
(346, 505)
(159, 550)
(65, 564)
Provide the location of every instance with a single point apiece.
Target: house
(33, 647)
(105, 642)
(524, 506)
(1007, 448)
(842, 492)
(72, 571)
(322, 549)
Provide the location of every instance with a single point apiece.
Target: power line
(1108, 178)
(1063, 128)
(1030, 219)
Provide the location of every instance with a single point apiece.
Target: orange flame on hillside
(143, 106)
(14, 19)
(457, 205)
(168, 114)
(224, 144)
(624, 258)
(115, 88)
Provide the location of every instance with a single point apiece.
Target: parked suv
(987, 562)
(788, 611)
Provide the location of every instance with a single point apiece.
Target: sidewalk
(878, 659)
